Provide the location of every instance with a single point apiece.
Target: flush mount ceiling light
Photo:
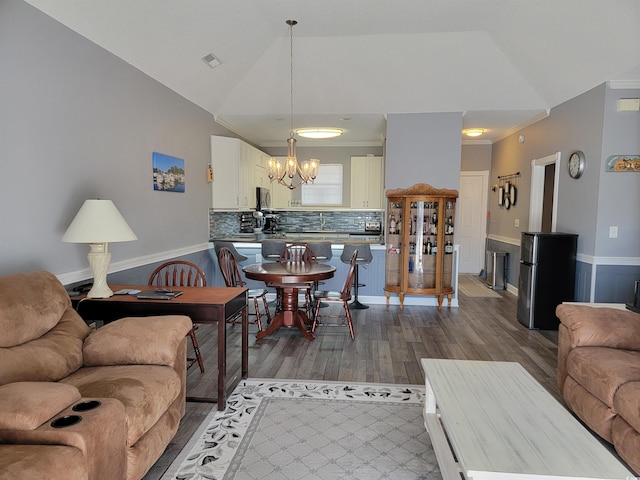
(319, 132)
(284, 174)
(473, 132)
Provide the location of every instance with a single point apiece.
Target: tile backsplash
(225, 223)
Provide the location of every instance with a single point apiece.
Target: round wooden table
(287, 278)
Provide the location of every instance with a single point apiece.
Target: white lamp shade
(98, 221)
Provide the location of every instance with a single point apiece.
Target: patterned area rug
(306, 430)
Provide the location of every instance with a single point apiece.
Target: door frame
(537, 191)
(484, 205)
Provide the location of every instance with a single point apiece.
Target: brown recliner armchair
(77, 404)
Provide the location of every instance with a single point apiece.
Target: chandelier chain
(291, 24)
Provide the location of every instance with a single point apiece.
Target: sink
(312, 231)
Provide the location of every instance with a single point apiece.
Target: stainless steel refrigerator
(547, 277)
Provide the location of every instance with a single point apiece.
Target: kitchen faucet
(322, 222)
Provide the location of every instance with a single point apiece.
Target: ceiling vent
(211, 60)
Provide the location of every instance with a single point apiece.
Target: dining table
(288, 278)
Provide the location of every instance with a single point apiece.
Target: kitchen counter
(338, 238)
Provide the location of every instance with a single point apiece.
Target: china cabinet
(420, 228)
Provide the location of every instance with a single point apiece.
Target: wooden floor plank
(388, 347)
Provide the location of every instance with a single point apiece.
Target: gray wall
(476, 158)
(423, 148)
(586, 206)
(77, 122)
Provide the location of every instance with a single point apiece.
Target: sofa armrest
(600, 327)
(150, 340)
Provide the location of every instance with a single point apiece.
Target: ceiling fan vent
(211, 60)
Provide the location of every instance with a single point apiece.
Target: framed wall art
(622, 163)
(168, 173)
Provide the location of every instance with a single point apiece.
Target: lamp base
(99, 259)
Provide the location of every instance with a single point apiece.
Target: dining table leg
(289, 315)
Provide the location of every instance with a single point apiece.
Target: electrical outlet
(516, 222)
(613, 232)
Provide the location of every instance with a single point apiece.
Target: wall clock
(576, 164)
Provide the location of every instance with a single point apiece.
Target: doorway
(543, 206)
(472, 220)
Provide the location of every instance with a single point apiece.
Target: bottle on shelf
(392, 224)
(448, 247)
(434, 247)
(428, 246)
(449, 227)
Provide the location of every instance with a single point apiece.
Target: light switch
(613, 232)
(516, 222)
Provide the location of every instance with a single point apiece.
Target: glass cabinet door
(449, 222)
(394, 243)
(422, 245)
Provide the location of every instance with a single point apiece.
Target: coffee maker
(271, 222)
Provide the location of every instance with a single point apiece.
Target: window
(327, 189)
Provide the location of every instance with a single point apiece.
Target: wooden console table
(503, 425)
(205, 305)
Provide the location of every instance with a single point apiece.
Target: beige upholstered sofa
(116, 394)
(599, 373)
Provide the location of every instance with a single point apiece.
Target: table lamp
(97, 223)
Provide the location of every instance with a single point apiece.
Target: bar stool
(364, 258)
(323, 255)
(218, 244)
(272, 248)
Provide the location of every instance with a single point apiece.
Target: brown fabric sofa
(51, 364)
(599, 373)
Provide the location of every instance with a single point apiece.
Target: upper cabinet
(238, 168)
(367, 175)
(280, 195)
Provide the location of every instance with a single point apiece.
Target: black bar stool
(364, 258)
(323, 255)
(272, 248)
(218, 244)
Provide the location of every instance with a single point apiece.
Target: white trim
(623, 84)
(537, 191)
(618, 261)
(507, 240)
(85, 273)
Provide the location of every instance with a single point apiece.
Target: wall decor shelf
(420, 225)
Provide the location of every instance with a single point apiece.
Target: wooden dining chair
(180, 273)
(343, 296)
(296, 255)
(232, 278)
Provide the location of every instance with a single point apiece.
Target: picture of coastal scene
(168, 173)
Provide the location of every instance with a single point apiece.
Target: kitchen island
(372, 275)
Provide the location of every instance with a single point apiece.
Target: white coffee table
(502, 424)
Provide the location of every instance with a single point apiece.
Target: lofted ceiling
(503, 63)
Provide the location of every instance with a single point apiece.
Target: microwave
(263, 199)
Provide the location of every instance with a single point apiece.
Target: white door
(472, 220)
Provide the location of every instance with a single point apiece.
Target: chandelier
(285, 174)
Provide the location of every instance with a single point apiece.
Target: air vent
(211, 60)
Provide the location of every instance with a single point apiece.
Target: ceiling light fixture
(319, 132)
(473, 132)
(285, 174)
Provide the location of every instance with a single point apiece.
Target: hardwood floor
(388, 347)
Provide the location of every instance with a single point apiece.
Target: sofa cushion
(602, 371)
(149, 340)
(56, 462)
(626, 403)
(31, 304)
(27, 405)
(146, 391)
(626, 439)
(53, 356)
(595, 413)
(600, 327)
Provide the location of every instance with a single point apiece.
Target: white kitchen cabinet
(280, 195)
(235, 167)
(367, 182)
